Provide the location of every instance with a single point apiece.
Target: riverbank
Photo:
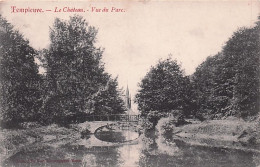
(13, 141)
(34, 138)
(46, 145)
(230, 133)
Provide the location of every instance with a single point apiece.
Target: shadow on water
(150, 150)
(117, 133)
(160, 152)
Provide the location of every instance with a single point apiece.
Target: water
(116, 134)
(146, 150)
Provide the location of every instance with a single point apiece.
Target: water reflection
(129, 155)
(183, 155)
(115, 135)
(150, 150)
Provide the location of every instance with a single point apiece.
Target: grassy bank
(35, 138)
(13, 141)
(229, 133)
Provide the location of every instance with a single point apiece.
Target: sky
(146, 31)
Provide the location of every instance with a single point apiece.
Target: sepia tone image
(129, 83)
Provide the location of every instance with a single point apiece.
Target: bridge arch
(114, 117)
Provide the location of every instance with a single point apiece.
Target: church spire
(128, 99)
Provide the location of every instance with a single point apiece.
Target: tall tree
(228, 83)
(164, 88)
(20, 96)
(210, 96)
(74, 71)
(242, 58)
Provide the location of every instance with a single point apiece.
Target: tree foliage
(20, 96)
(164, 88)
(74, 71)
(108, 100)
(227, 84)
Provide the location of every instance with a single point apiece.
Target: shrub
(155, 116)
(144, 124)
(165, 125)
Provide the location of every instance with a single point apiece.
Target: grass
(12, 141)
(35, 138)
(232, 133)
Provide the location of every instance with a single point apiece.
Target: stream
(128, 148)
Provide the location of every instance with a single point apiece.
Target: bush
(85, 134)
(144, 124)
(155, 116)
(165, 125)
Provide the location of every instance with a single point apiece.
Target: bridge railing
(114, 117)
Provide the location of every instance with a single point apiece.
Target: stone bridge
(93, 142)
(96, 121)
(92, 126)
(114, 117)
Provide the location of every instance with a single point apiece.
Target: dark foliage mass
(75, 83)
(227, 84)
(20, 82)
(164, 88)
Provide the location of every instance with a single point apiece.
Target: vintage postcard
(149, 83)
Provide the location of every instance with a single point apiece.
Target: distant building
(131, 110)
(128, 103)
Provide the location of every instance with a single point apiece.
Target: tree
(74, 71)
(164, 88)
(227, 84)
(19, 79)
(108, 100)
(242, 57)
(210, 96)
